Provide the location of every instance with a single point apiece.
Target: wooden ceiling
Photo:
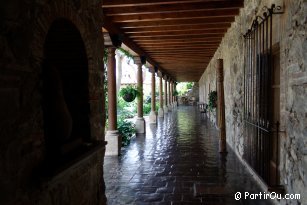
(178, 36)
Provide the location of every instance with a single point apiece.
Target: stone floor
(177, 162)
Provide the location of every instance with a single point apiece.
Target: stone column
(169, 96)
(165, 109)
(173, 96)
(112, 136)
(119, 63)
(221, 106)
(161, 111)
(140, 122)
(152, 115)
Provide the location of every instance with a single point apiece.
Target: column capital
(151, 69)
(165, 77)
(139, 60)
(159, 73)
(113, 39)
(111, 50)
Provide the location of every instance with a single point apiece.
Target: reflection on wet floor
(177, 162)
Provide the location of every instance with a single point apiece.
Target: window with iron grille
(261, 142)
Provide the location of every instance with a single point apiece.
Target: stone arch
(55, 10)
(89, 31)
(65, 9)
(65, 91)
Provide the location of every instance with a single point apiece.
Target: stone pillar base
(165, 109)
(160, 112)
(170, 107)
(114, 143)
(152, 117)
(140, 125)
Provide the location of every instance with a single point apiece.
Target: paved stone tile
(177, 162)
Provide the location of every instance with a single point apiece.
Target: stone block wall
(290, 34)
(23, 29)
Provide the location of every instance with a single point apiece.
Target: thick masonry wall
(289, 33)
(24, 26)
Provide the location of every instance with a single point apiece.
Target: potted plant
(212, 100)
(129, 93)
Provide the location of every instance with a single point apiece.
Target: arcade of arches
(53, 145)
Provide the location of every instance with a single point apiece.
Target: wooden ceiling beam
(179, 48)
(178, 15)
(132, 45)
(198, 27)
(126, 3)
(168, 59)
(175, 43)
(178, 22)
(181, 51)
(178, 36)
(178, 39)
(176, 66)
(179, 33)
(170, 37)
(164, 59)
(182, 55)
(148, 48)
(171, 8)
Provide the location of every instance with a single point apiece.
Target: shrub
(146, 108)
(212, 100)
(126, 129)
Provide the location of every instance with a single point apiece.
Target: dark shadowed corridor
(177, 162)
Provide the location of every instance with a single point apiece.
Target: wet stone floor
(177, 162)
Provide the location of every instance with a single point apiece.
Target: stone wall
(290, 34)
(24, 26)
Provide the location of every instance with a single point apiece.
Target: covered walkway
(177, 162)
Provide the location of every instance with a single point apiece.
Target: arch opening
(65, 92)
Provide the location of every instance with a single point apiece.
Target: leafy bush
(125, 113)
(126, 129)
(157, 106)
(190, 85)
(146, 108)
(212, 100)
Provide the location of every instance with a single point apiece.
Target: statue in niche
(57, 118)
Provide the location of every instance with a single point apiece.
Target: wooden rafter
(178, 36)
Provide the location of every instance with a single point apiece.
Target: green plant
(126, 53)
(129, 93)
(183, 88)
(190, 85)
(212, 100)
(146, 108)
(126, 129)
(175, 93)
